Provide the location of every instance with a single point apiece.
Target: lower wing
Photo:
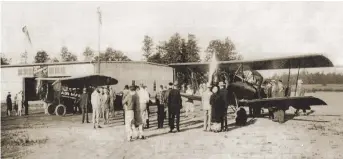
(296, 102)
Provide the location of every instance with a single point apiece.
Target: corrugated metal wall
(144, 73)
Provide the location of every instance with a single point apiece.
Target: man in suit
(84, 100)
(224, 95)
(174, 107)
(160, 107)
(96, 101)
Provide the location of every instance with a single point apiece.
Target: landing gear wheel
(240, 113)
(51, 109)
(60, 110)
(279, 116)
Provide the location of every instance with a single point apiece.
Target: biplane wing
(81, 81)
(290, 62)
(192, 97)
(296, 102)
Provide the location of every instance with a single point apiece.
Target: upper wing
(296, 102)
(192, 97)
(303, 61)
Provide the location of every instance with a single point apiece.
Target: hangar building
(150, 74)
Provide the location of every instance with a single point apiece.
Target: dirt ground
(319, 135)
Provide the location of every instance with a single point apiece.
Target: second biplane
(244, 91)
(60, 92)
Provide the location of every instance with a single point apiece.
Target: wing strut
(296, 84)
(289, 77)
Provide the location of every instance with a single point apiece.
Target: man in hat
(20, 102)
(165, 99)
(160, 107)
(143, 100)
(205, 102)
(300, 91)
(84, 100)
(174, 106)
(9, 104)
(96, 102)
(224, 94)
(189, 103)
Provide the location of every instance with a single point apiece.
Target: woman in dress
(218, 108)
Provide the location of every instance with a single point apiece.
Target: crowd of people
(136, 99)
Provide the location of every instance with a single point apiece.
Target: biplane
(246, 91)
(61, 92)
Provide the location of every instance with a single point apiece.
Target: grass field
(319, 135)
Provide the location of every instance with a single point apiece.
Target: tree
(224, 50)
(176, 50)
(54, 60)
(156, 58)
(4, 59)
(192, 49)
(147, 48)
(88, 53)
(23, 57)
(67, 56)
(41, 57)
(112, 55)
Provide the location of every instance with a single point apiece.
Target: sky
(258, 29)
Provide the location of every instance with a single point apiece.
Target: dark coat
(174, 101)
(224, 93)
(218, 107)
(84, 99)
(136, 109)
(9, 102)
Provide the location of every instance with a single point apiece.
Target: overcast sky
(259, 29)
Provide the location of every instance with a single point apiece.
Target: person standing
(16, 104)
(102, 109)
(143, 100)
(125, 92)
(225, 96)
(129, 104)
(20, 103)
(95, 99)
(9, 104)
(165, 100)
(205, 102)
(84, 100)
(174, 106)
(218, 107)
(160, 107)
(106, 105)
(300, 91)
(112, 95)
(189, 103)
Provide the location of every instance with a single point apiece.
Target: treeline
(178, 49)
(175, 49)
(313, 78)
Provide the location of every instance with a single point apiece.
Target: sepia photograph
(171, 79)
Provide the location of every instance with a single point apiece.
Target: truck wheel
(51, 109)
(60, 110)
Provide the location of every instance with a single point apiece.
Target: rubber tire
(281, 116)
(60, 108)
(51, 109)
